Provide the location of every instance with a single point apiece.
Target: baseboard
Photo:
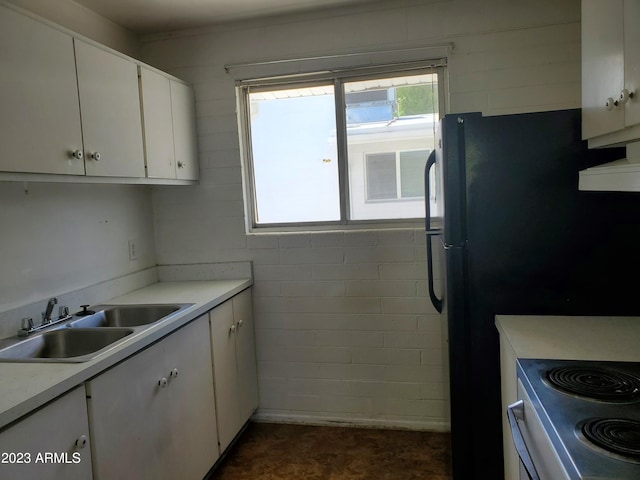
(394, 424)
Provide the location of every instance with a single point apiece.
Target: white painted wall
(57, 238)
(344, 327)
(80, 19)
(61, 237)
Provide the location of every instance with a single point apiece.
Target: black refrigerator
(514, 235)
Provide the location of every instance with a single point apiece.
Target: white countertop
(26, 386)
(572, 338)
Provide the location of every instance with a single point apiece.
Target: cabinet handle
(81, 442)
(174, 373)
(77, 154)
(625, 95)
(181, 164)
(232, 329)
(162, 382)
(611, 103)
(95, 156)
(240, 323)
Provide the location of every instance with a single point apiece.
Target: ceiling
(153, 16)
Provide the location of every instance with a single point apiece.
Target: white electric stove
(577, 420)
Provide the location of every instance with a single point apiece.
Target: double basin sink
(80, 339)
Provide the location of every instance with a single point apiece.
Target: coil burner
(595, 383)
(618, 437)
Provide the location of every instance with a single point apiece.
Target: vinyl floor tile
(292, 452)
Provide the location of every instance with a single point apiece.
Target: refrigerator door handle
(431, 161)
(437, 302)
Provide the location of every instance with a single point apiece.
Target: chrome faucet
(46, 316)
(27, 323)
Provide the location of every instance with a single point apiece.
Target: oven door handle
(515, 412)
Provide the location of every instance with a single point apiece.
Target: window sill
(362, 225)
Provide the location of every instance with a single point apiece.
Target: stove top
(591, 412)
(594, 382)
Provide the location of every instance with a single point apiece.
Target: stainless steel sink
(87, 337)
(64, 345)
(127, 315)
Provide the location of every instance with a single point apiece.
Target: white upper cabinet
(610, 72)
(110, 107)
(74, 108)
(40, 115)
(158, 124)
(632, 60)
(184, 131)
(169, 127)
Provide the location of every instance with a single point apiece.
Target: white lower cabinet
(234, 365)
(51, 443)
(167, 412)
(153, 415)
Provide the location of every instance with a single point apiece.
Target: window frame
(336, 78)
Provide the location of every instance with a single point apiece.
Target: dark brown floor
(300, 452)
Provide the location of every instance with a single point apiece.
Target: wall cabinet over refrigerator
(611, 91)
(610, 72)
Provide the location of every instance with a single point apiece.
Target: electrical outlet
(133, 250)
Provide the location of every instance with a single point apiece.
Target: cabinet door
(40, 116)
(602, 66)
(110, 106)
(157, 124)
(225, 374)
(192, 416)
(59, 428)
(632, 61)
(131, 437)
(245, 355)
(184, 131)
(153, 415)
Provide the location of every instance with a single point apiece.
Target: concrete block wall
(344, 327)
(344, 331)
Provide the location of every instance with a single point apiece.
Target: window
(339, 150)
(294, 156)
(395, 175)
